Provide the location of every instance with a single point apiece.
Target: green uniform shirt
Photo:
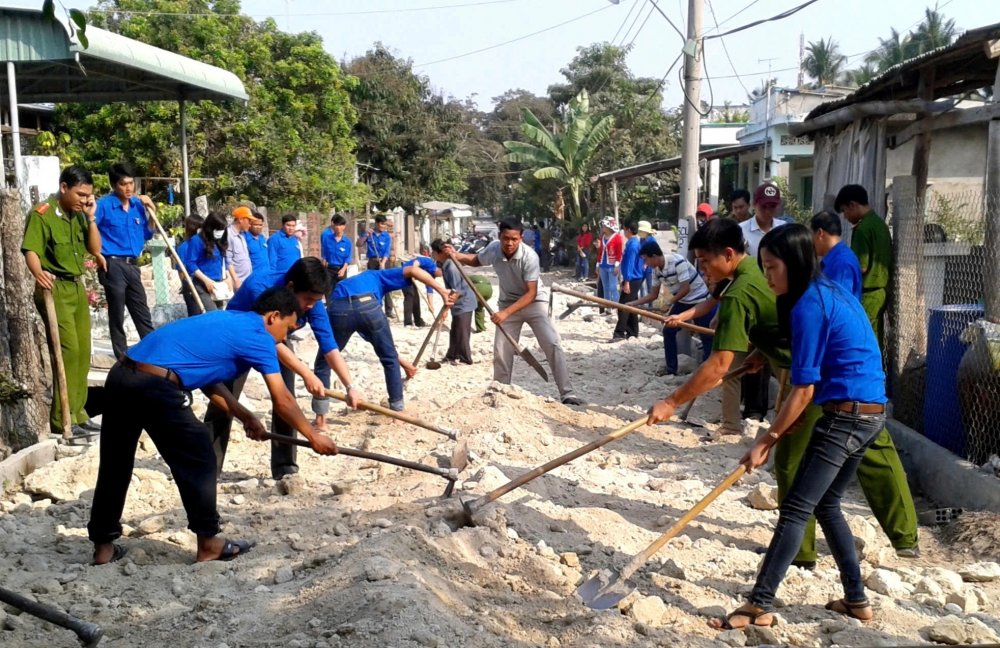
(748, 315)
(58, 240)
(872, 244)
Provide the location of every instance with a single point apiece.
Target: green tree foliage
(824, 62)
(408, 134)
(289, 147)
(934, 31)
(861, 75)
(563, 153)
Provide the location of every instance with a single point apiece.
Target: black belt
(357, 299)
(66, 277)
(864, 290)
(152, 370)
(853, 407)
(131, 260)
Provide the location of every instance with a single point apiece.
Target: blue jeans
(582, 266)
(363, 315)
(670, 337)
(610, 282)
(827, 469)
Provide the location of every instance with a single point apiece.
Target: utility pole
(691, 132)
(765, 173)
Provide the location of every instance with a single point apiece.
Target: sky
(441, 37)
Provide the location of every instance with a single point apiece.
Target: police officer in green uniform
(58, 234)
(485, 290)
(746, 308)
(872, 244)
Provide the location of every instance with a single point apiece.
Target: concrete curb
(942, 476)
(19, 465)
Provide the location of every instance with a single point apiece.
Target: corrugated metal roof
(57, 68)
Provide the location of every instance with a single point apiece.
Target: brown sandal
(751, 612)
(861, 610)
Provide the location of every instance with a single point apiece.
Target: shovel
(180, 264)
(434, 328)
(524, 353)
(572, 308)
(399, 416)
(641, 312)
(59, 368)
(89, 634)
(451, 474)
(606, 589)
(432, 363)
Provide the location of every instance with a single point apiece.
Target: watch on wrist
(774, 435)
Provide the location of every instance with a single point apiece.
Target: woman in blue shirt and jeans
(836, 362)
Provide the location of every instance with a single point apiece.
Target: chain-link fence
(943, 353)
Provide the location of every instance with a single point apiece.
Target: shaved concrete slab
(16, 467)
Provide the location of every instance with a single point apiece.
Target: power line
(638, 15)
(781, 16)
(718, 25)
(308, 15)
(627, 16)
(726, 49)
(643, 25)
(514, 40)
(667, 18)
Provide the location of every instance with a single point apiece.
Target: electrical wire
(309, 15)
(638, 15)
(725, 49)
(718, 26)
(627, 16)
(667, 18)
(660, 86)
(781, 16)
(514, 40)
(640, 27)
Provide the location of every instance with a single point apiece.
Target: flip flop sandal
(841, 606)
(234, 549)
(117, 553)
(752, 615)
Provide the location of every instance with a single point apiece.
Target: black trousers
(334, 272)
(458, 338)
(756, 393)
(123, 289)
(411, 304)
(220, 423)
(203, 296)
(145, 402)
(387, 297)
(628, 324)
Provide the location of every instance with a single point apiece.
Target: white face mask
(217, 234)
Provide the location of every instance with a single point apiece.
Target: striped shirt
(677, 270)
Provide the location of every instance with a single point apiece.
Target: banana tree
(564, 152)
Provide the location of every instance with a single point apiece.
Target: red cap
(705, 208)
(767, 195)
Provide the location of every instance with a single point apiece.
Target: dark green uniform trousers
(73, 316)
(880, 474)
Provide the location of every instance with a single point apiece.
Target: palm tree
(891, 51)
(935, 31)
(824, 61)
(862, 75)
(563, 153)
(761, 90)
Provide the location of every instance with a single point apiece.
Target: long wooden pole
(59, 368)
(180, 264)
(641, 312)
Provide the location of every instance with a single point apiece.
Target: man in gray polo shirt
(522, 301)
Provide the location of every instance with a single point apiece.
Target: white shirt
(752, 233)
(675, 271)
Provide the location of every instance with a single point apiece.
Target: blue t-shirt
(257, 249)
(378, 245)
(210, 348)
(283, 250)
(371, 282)
(841, 266)
(632, 267)
(834, 347)
(195, 259)
(123, 233)
(316, 317)
(334, 252)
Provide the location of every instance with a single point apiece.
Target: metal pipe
(185, 171)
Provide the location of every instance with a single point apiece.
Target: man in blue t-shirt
(839, 264)
(308, 280)
(283, 247)
(378, 248)
(150, 388)
(122, 220)
(632, 272)
(257, 243)
(336, 249)
(354, 308)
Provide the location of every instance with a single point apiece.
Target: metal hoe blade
(604, 590)
(537, 366)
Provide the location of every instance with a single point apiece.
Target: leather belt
(854, 407)
(152, 370)
(127, 259)
(357, 299)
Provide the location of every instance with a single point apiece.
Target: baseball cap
(767, 195)
(242, 212)
(705, 208)
(646, 228)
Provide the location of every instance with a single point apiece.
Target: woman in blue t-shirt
(205, 259)
(836, 362)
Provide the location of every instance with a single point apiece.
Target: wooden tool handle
(89, 634)
(59, 367)
(374, 456)
(486, 305)
(399, 416)
(642, 312)
(177, 259)
(434, 327)
(640, 559)
(559, 461)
